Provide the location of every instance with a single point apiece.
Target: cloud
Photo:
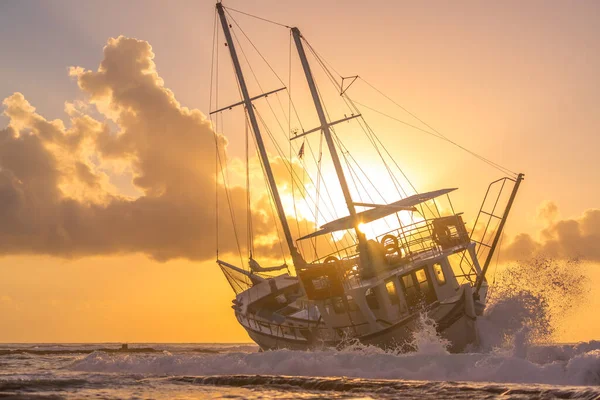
(56, 193)
(560, 238)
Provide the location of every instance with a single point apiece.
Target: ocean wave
(389, 387)
(9, 352)
(40, 384)
(67, 349)
(579, 365)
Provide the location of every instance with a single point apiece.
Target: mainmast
(296, 257)
(325, 127)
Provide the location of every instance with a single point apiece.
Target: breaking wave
(393, 389)
(557, 365)
(40, 384)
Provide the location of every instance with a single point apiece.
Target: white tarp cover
(378, 212)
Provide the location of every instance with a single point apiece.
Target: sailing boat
(374, 289)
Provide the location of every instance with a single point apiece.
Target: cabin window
(418, 289)
(338, 305)
(425, 287)
(392, 293)
(351, 304)
(412, 293)
(439, 274)
(372, 301)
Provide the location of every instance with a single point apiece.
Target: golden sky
(107, 158)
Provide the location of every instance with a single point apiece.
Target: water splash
(426, 339)
(556, 364)
(353, 345)
(528, 301)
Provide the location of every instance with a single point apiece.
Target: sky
(106, 155)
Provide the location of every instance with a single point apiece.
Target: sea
(241, 371)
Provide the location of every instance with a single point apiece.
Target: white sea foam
(580, 367)
(426, 339)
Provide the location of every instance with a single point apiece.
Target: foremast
(264, 158)
(367, 268)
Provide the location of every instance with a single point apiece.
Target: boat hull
(454, 320)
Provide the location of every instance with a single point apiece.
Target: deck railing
(293, 332)
(415, 239)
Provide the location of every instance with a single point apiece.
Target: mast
(488, 260)
(325, 127)
(296, 257)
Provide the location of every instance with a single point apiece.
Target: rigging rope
(371, 134)
(212, 65)
(249, 230)
(272, 206)
(289, 121)
(319, 176)
(223, 168)
(287, 162)
(368, 131)
(438, 134)
(279, 150)
(372, 137)
(262, 166)
(288, 166)
(255, 48)
(349, 160)
(257, 17)
(348, 156)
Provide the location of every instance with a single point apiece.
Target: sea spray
(426, 339)
(569, 365)
(353, 345)
(527, 302)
